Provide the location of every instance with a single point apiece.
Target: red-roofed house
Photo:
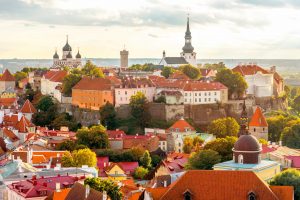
(38, 188)
(50, 82)
(258, 125)
(261, 82)
(92, 93)
(8, 102)
(128, 167)
(7, 81)
(28, 109)
(11, 139)
(207, 73)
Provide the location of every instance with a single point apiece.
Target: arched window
(187, 195)
(251, 196)
(254, 129)
(240, 159)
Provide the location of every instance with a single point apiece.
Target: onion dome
(67, 47)
(56, 55)
(78, 55)
(247, 143)
(69, 55)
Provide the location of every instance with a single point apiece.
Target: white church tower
(188, 50)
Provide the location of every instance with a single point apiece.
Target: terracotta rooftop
(181, 126)
(128, 167)
(8, 133)
(28, 107)
(59, 195)
(7, 102)
(217, 184)
(7, 76)
(258, 119)
(149, 143)
(56, 76)
(206, 72)
(175, 162)
(78, 192)
(88, 83)
(179, 75)
(203, 86)
(23, 124)
(249, 69)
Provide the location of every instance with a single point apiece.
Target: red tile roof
(7, 76)
(7, 102)
(207, 72)
(128, 167)
(203, 86)
(23, 124)
(113, 134)
(258, 119)
(175, 162)
(181, 125)
(218, 184)
(283, 192)
(88, 83)
(249, 69)
(268, 149)
(55, 76)
(295, 161)
(179, 75)
(8, 133)
(149, 143)
(28, 107)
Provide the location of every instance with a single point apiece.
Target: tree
(108, 116)
(112, 189)
(67, 160)
(224, 127)
(188, 145)
(45, 103)
(289, 177)
(223, 146)
(233, 80)
(69, 82)
(67, 145)
(291, 136)
(191, 71)
(197, 142)
(155, 159)
(167, 71)
(90, 69)
(296, 104)
(84, 157)
(140, 108)
(263, 141)
(145, 160)
(140, 172)
(94, 137)
(216, 66)
(204, 159)
(64, 119)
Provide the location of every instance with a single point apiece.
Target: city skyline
(232, 29)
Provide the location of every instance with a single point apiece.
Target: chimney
(57, 187)
(87, 191)
(104, 195)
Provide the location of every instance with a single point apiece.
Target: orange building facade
(92, 93)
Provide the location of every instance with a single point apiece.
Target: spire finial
(67, 38)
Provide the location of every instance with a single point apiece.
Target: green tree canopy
(289, 177)
(191, 71)
(140, 172)
(223, 146)
(224, 127)
(45, 103)
(90, 69)
(145, 160)
(78, 158)
(216, 66)
(108, 116)
(204, 159)
(67, 145)
(112, 189)
(188, 145)
(167, 72)
(69, 82)
(291, 136)
(233, 80)
(64, 119)
(94, 137)
(140, 108)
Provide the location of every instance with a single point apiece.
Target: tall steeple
(244, 121)
(188, 48)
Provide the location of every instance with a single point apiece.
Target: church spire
(188, 48)
(244, 121)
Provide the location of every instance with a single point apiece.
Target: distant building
(187, 56)
(7, 82)
(258, 125)
(67, 59)
(247, 155)
(51, 81)
(92, 93)
(124, 58)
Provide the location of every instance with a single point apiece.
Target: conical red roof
(6, 76)
(258, 119)
(28, 107)
(23, 124)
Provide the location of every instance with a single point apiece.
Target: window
(240, 159)
(215, 93)
(195, 94)
(125, 92)
(254, 129)
(185, 94)
(205, 94)
(187, 195)
(195, 100)
(116, 172)
(251, 196)
(199, 100)
(118, 92)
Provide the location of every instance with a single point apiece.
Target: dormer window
(187, 195)
(251, 196)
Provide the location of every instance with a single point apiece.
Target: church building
(187, 56)
(247, 154)
(67, 59)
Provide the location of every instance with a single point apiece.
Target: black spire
(244, 121)
(188, 48)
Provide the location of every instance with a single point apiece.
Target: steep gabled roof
(28, 107)
(181, 125)
(7, 76)
(23, 124)
(55, 76)
(258, 119)
(218, 184)
(8, 133)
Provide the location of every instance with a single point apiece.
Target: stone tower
(124, 58)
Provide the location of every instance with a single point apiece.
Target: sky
(221, 29)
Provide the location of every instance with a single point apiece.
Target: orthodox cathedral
(67, 59)
(187, 56)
